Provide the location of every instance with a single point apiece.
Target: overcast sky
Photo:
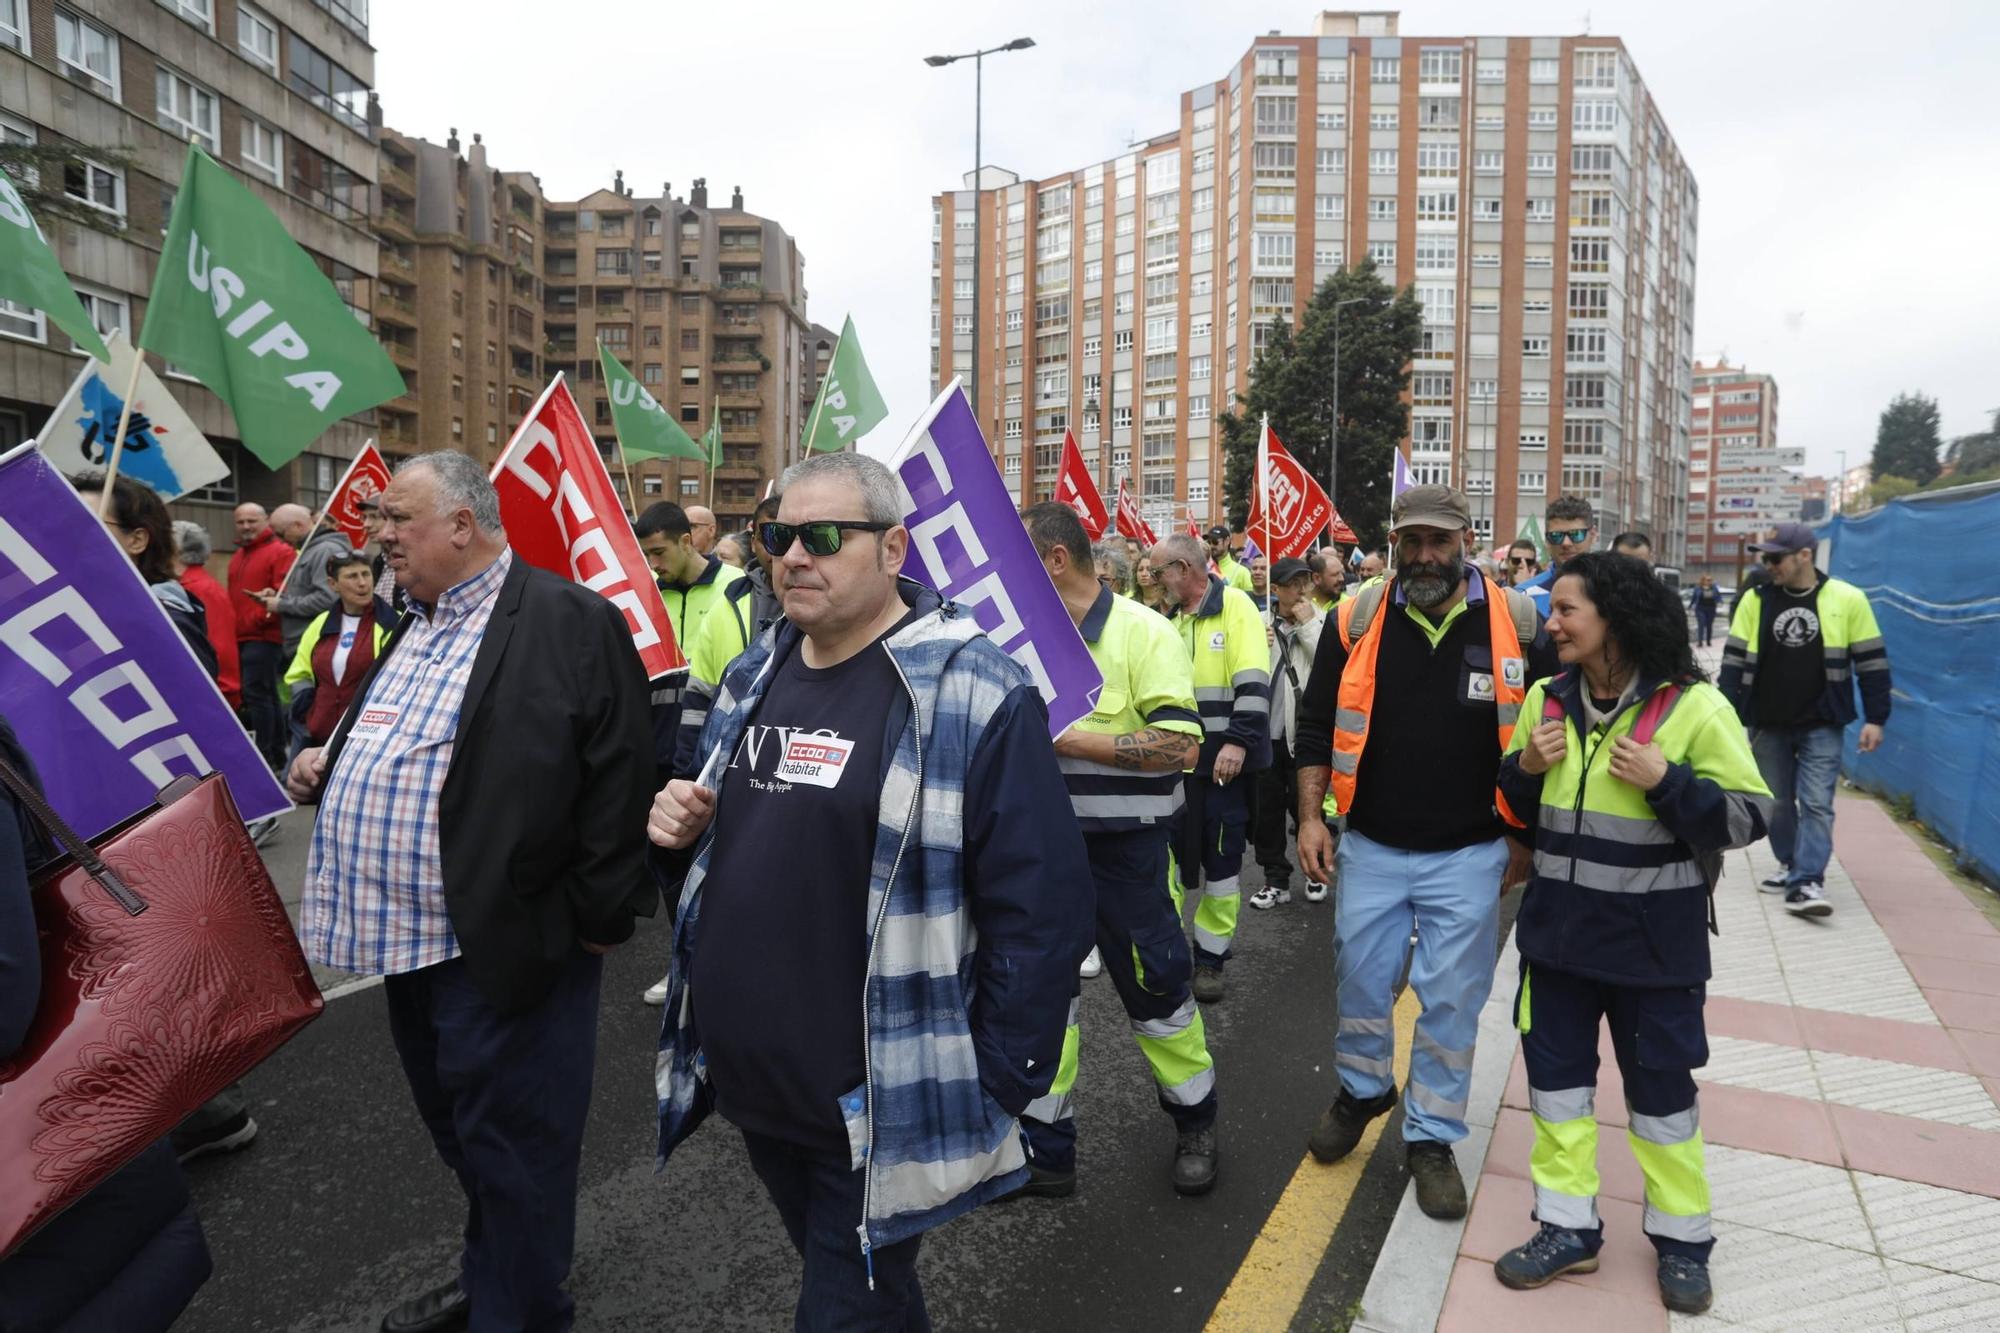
(1849, 168)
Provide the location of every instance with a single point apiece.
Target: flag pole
(118, 442)
(326, 509)
(714, 424)
(1264, 509)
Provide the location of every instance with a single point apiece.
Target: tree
(1970, 455)
(1906, 442)
(1292, 379)
(41, 173)
(1891, 487)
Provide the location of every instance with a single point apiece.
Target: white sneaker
(656, 994)
(1777, 883)
(1807, 900)
(1270, 896)
(1092, 965)
(1315, 893)
(262, 831)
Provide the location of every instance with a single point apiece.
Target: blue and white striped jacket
(980, 909)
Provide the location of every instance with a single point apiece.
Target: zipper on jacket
(874, 938)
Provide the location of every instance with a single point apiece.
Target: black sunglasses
(1777, 557)
(821, 536)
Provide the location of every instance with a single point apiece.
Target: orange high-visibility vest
(1357, 682)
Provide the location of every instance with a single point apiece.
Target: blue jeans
(820, 1204)
(262, 663)
(1454, 900)
(1801, 766)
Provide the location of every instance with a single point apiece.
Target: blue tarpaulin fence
(1931, 568)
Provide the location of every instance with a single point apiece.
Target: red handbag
(169, 970)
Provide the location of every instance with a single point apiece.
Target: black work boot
(1341, 1124)
(1684, 1284)
(1440, 1189)
(1208, 983)
(1195, 1159)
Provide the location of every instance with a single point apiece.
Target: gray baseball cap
(1430, 507)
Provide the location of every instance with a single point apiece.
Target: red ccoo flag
(562, 515)
(1075, 489)
(1286, 501)
(1130, 524)
(367, 477)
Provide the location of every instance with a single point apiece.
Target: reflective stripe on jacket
(1225, 643)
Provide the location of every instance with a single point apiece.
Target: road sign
(1778, 488)
(1743, 527)
(1731, 457)
(1749, 506)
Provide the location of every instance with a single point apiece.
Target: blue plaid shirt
(374, 899)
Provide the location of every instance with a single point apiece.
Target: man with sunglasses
(1224, 637)
(1797, 648)
(1570, 526)
(1523, 564)
(888, 899)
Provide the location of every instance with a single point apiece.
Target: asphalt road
(340, 1208)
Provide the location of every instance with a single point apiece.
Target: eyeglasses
(1520, 560)
(1569, 536)
(1171, 563)
(1777, 557)
(821, 536)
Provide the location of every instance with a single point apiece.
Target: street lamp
(978, 171)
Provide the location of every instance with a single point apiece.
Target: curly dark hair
(1642, 615)
(137, 508)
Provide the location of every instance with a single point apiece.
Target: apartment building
(1735, 422)
(490, 289)
(279, 91)
(1527, 187)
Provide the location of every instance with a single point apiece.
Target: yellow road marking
(1267, 1290)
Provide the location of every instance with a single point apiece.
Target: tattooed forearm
(1153, 750)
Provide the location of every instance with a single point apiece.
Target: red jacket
(260, 565)
(221, 617)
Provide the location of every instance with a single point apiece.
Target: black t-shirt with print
(781, 958)
(1791, 658)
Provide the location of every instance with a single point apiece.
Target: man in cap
(1413, 696)
(1797, 648)
(1233, 572)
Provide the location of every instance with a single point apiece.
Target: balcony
(397, 223)
(397, 179)
(394, 311)
(402, 353)
(560, 351)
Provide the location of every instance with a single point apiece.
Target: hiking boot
(1195, 1157)
(1207, 983)
(1340, 1125)
(1807, 900)
(1684, 1285)
(1270, 896)
(1440, 1189)
(1777, 883)
(1549, 1254)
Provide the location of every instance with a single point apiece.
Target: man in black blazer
(480, 844)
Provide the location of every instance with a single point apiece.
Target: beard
(1426, 584)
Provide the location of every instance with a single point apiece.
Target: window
(1382, 120)
(1121, 304)
(1589, 301)
(1535, 305)
(1541, 164)
(1596, 68)
(1544, 70)
(1382, 253)
(1593, 115)
(107, 310)
(1333, 71)
(961, 289)
(1534, 482)
(1594, 162)
(1382, 208)
(1541, 210)
(88, 53)
(198, 12)
(1533, 439)
(1433, 389)
(1440, 64)
(257, 38)
(1586, 346)
(1329, 207)
(100, 187)
(1201, 242)
(1437, 206)
(1199, 201)
(1541, 117)
(1326, 256)
(1276, 115)
(332, 89)
(1124, 263)
(1200, 367)
(1093, 346)
(1481, 391)
(1381, 161)
(1274, 161)
(1439, 302)
(1536, 347)
(1121, 340)
(1331, 120)
(1385, 69)
(1437, 157)
(14, 24)
(1492, 70)
(263, 150)
(1486, 210)
(1487, 163)
(187, 109)
(1437, 252)
(1273, 253)
(962, 324)
(1489, 118)
(1330, 161)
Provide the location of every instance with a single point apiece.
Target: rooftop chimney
(736, 198)
(618, 183)
(452, 142)
(698, 193)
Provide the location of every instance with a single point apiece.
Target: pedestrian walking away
(1629, 770)
(1412, 699)
(1223, 636)
(480, 842)
(1798, 647)
(927, 943)
(1122, 767)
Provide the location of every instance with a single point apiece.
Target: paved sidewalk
(1850, 1106)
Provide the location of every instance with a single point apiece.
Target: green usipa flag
(711, 440)
(244, 310)
(645, 430)
(848, 405)
(1532, 531)
(30, 274)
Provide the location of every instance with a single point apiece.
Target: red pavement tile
(1752, 1020)
(1968, 944)
(1769, 1122)
(1992, 1089)
(1950, 1156)
(1881, 1039)
(1945, 917)
(1954, 974)
(1475, 1302)
(1960, 1009)
(1982, 1050)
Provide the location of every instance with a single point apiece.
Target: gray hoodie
(306, 591)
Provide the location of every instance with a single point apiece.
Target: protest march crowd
(903, 767)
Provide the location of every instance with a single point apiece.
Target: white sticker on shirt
(1479, 688)
(815, 760)
(1217, 641)
(1514, 671)
(375, 722)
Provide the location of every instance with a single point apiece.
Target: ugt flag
(1075, 488)
(645, 429)
(366, 477)
(1130, 522)
(245, 311)
(162, 447)
(1286, 505)
(31, 275)
(562, 515)
(99, 685)
(967, 543)
(848, 405)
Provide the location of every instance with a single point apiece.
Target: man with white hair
(480, 843)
